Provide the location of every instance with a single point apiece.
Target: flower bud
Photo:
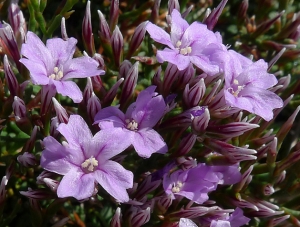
(173, 4)
(113, 14)
(88, 90)
(2, 190)
(186, 162)
(53, 126)
(242, 11)
(155, 11)
(200, 123)
(87, 32)
(104, 32)
(52, 184)
(27, 159)
(187, 11)
(171, 74)
(275, 59)
(124, 68)
(213, 17)
(278, 220)
(38, 194)
(186, 144)
(137, 38)
(268, 190)
(148, 185)
(192, 212)
(129, 84)
(111, 94)
(156, 80)
(100, 60)
(64, 34)
(140, 218)
(10, 78)
(117, 45)
(192, 97)
(9, 44)
(19, 108)
(48, 91)
(61, 113)
(116, 219)
(164, 203)
(243, 183)
(93, 106)
(16, 18)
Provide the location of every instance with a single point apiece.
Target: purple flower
(195, 183)
(246, 85)
(187, 43)
(137, 123)
(53, 64)
(84, 161)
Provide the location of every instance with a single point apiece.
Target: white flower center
(183, 51)
(131, 125)
(57, 74)
(89, 164)
(236, 88)
(177, 187)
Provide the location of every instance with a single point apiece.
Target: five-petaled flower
(196, 182)
(187, 43)
(53, 65)
(84, 161)
(246, 84)
(141, 116)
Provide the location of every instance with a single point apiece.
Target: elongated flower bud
(19, 108)
(140, 218)
(27, 159)
(87, 32)
(186, 144)
(117, 45)
(137, 38)
(173, 4)
(9, 44)
(193, 95)
(16, 18)
(93, 106)
(243, 183)
(231, 129)
(111, 94)
(200, 123)
(148, 185)
(242, 12)
(116, 220)
(113, 14)
(155, 11)
(52, 184)
(164, 203)
(104, 31)
(10, 78)
(171, 74)
(129, 84)
(64, 34)
(38, 194)
(2, 190)
(100, 60)
(213, 17)
(61, 113)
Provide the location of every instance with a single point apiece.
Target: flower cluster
(106, 127)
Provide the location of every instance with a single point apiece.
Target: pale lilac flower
(137, 123)
(195, 183)
(246, 85)
(84, 160)
(187, 43)
(54, 64)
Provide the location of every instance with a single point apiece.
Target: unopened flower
(185, 222)
(187, 43)
(85, 160)
(137, 123)
(53, 64)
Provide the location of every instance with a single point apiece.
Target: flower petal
(35, 50)
(55, 157)
(192, 34)
(148, 141)
(108, 143)
(38, 72)
(68, 88)
(173, 57)
(81, 67)
(76, 184)
(204, 63)
(149, 109)
(110, 117)
(159, 35)
(76, 132)
(178, 26)
(115, 180)
(61, 50)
